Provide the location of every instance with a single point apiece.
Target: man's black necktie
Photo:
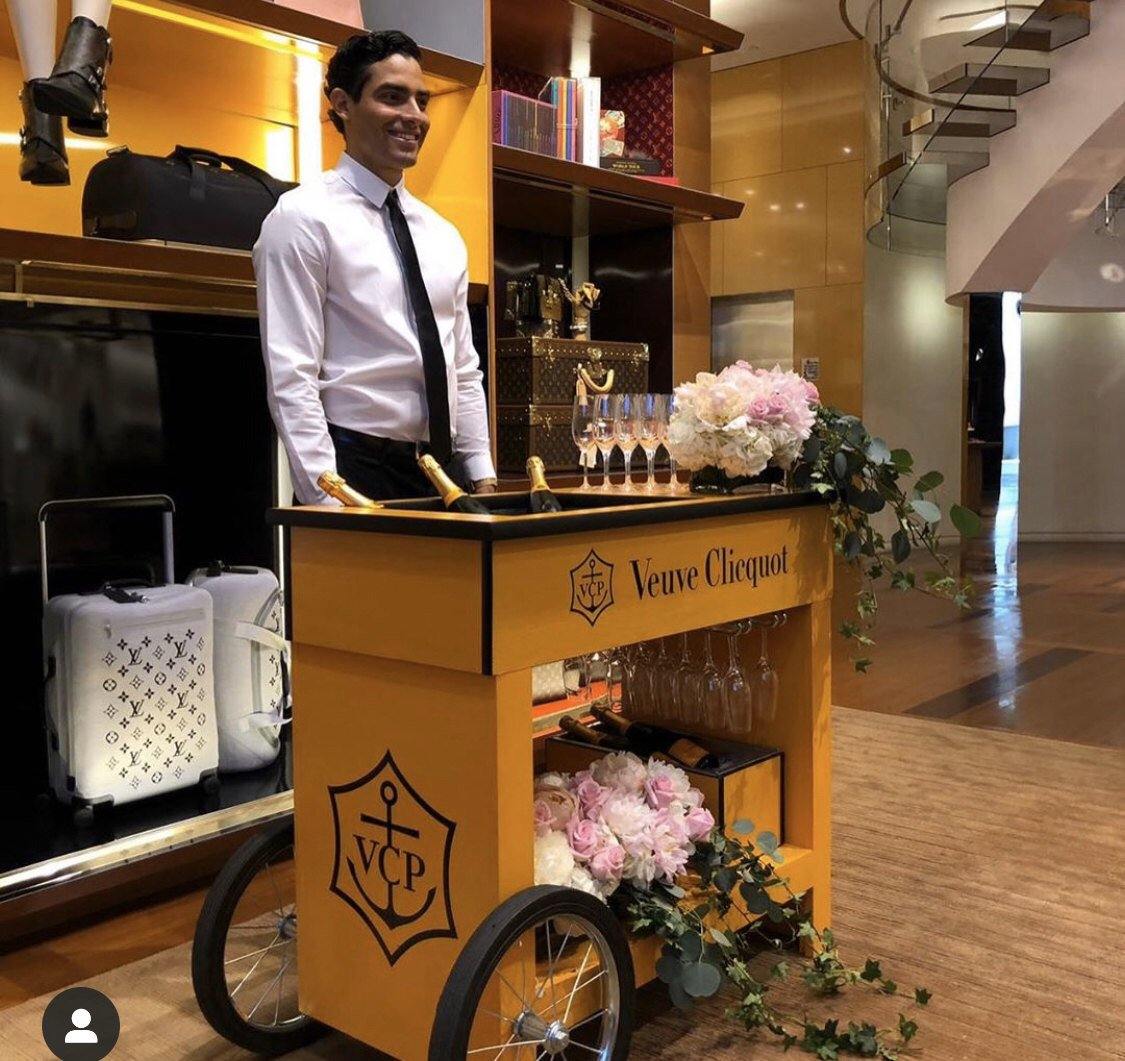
(433, 357)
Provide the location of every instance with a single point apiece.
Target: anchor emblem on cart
(392, 857)
(591, 587)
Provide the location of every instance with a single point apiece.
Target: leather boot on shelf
(42, 151)
(76, 87)
(96, 125)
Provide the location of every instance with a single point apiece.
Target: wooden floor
(967, 861)
(1042, 653)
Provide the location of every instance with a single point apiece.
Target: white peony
(554, 861)
(622, 771)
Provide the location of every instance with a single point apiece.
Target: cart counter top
(583, 512)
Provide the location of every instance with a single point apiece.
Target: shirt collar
(373, 188)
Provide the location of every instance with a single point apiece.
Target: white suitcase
(251, 663)
(129, 697)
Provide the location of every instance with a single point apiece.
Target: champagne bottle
(647, 739)
(337, 486)
(453, 497)
(610, 741)
(542, 499)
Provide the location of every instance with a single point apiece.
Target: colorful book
(523, 122)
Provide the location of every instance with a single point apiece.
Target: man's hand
(484, 486)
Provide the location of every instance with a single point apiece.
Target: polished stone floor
(1041, 652)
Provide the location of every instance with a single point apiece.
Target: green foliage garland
(702, 951)
(861, 476)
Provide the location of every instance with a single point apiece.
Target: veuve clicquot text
(573, 728)
(452, 496)
(542, 499)
(646, 739)
(337, 486)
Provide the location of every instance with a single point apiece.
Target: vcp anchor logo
(591, 587)
(392, 859)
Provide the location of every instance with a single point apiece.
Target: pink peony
(699, 822)
(591, 795)
(544, 818)
(563, 805)
(628, 816)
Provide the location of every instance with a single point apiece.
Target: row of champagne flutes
(602, 423)
(676, 682)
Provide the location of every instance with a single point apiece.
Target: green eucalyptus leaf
(869, 501)
(744, 827)
(757, 901)
(691, 946)
(927, 510)
(680, 998)
(852, 545)
(966, 521)
(902, 460)
(768, 842)
(900, 546)
(702, 980)
(840, 465)
(710, 951)
(929, 481)
(878, 452)
(725, 879)
(669, 969)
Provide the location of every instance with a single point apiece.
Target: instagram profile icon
(81, 1024)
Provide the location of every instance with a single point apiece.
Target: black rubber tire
(208, 950)
(449, 1037)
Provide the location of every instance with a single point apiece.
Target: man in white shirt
(362, 299)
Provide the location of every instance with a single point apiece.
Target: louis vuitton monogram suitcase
(129, 701)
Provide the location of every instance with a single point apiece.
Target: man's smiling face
(387, 124)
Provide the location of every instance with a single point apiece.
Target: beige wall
(787, 139)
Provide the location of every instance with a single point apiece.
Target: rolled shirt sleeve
(472, 442)
(290, 266)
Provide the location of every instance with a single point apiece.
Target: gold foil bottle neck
(446, 487)
(537, 473)
(337, 486)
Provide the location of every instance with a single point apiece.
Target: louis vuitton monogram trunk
(540, 430)
(539, 371)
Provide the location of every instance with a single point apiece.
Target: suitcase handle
(199, 155)
(86, 504)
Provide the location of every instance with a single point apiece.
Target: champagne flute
(737, 701)
(605, 419)
(690, 687)
(664, 686)
(670, 410)
(582, 430)
(651, 426)
(626, 426)
(763, 678)
(713, 709)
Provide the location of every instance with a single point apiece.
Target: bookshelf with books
(607, 203)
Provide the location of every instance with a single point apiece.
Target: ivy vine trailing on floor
(733, 878)
(861, 477)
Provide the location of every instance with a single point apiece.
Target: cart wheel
(243, 960)
(579, 1003)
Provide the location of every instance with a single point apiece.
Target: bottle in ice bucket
(542, 499)
(646, 739)
(337, 486)
(453, 497)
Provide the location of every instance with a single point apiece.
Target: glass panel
(754, 328)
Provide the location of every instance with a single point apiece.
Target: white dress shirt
(338, 334)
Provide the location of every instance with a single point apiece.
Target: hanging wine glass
(582, 430)
(641, 699)
(626, 672)
(713, 709)
(605, 419)
(597, 674)
(691, 691)
(763, 678)
(738, 705)
(650, 432)
(626, 429)
(664, 685)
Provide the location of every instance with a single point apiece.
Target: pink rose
(591, 795)
(608, 863)
(585, 838)
(699, 822)
(660, 792)
(544, 818)
(759, 409)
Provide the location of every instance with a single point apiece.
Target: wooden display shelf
(617, 37)
(80, 270)
(540, 193)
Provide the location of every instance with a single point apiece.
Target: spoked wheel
(547, 976)
(244, 957)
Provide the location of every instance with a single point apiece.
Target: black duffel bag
(187, 197)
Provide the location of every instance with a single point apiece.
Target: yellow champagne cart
(415, 632)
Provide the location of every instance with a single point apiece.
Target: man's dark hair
(349, 67)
